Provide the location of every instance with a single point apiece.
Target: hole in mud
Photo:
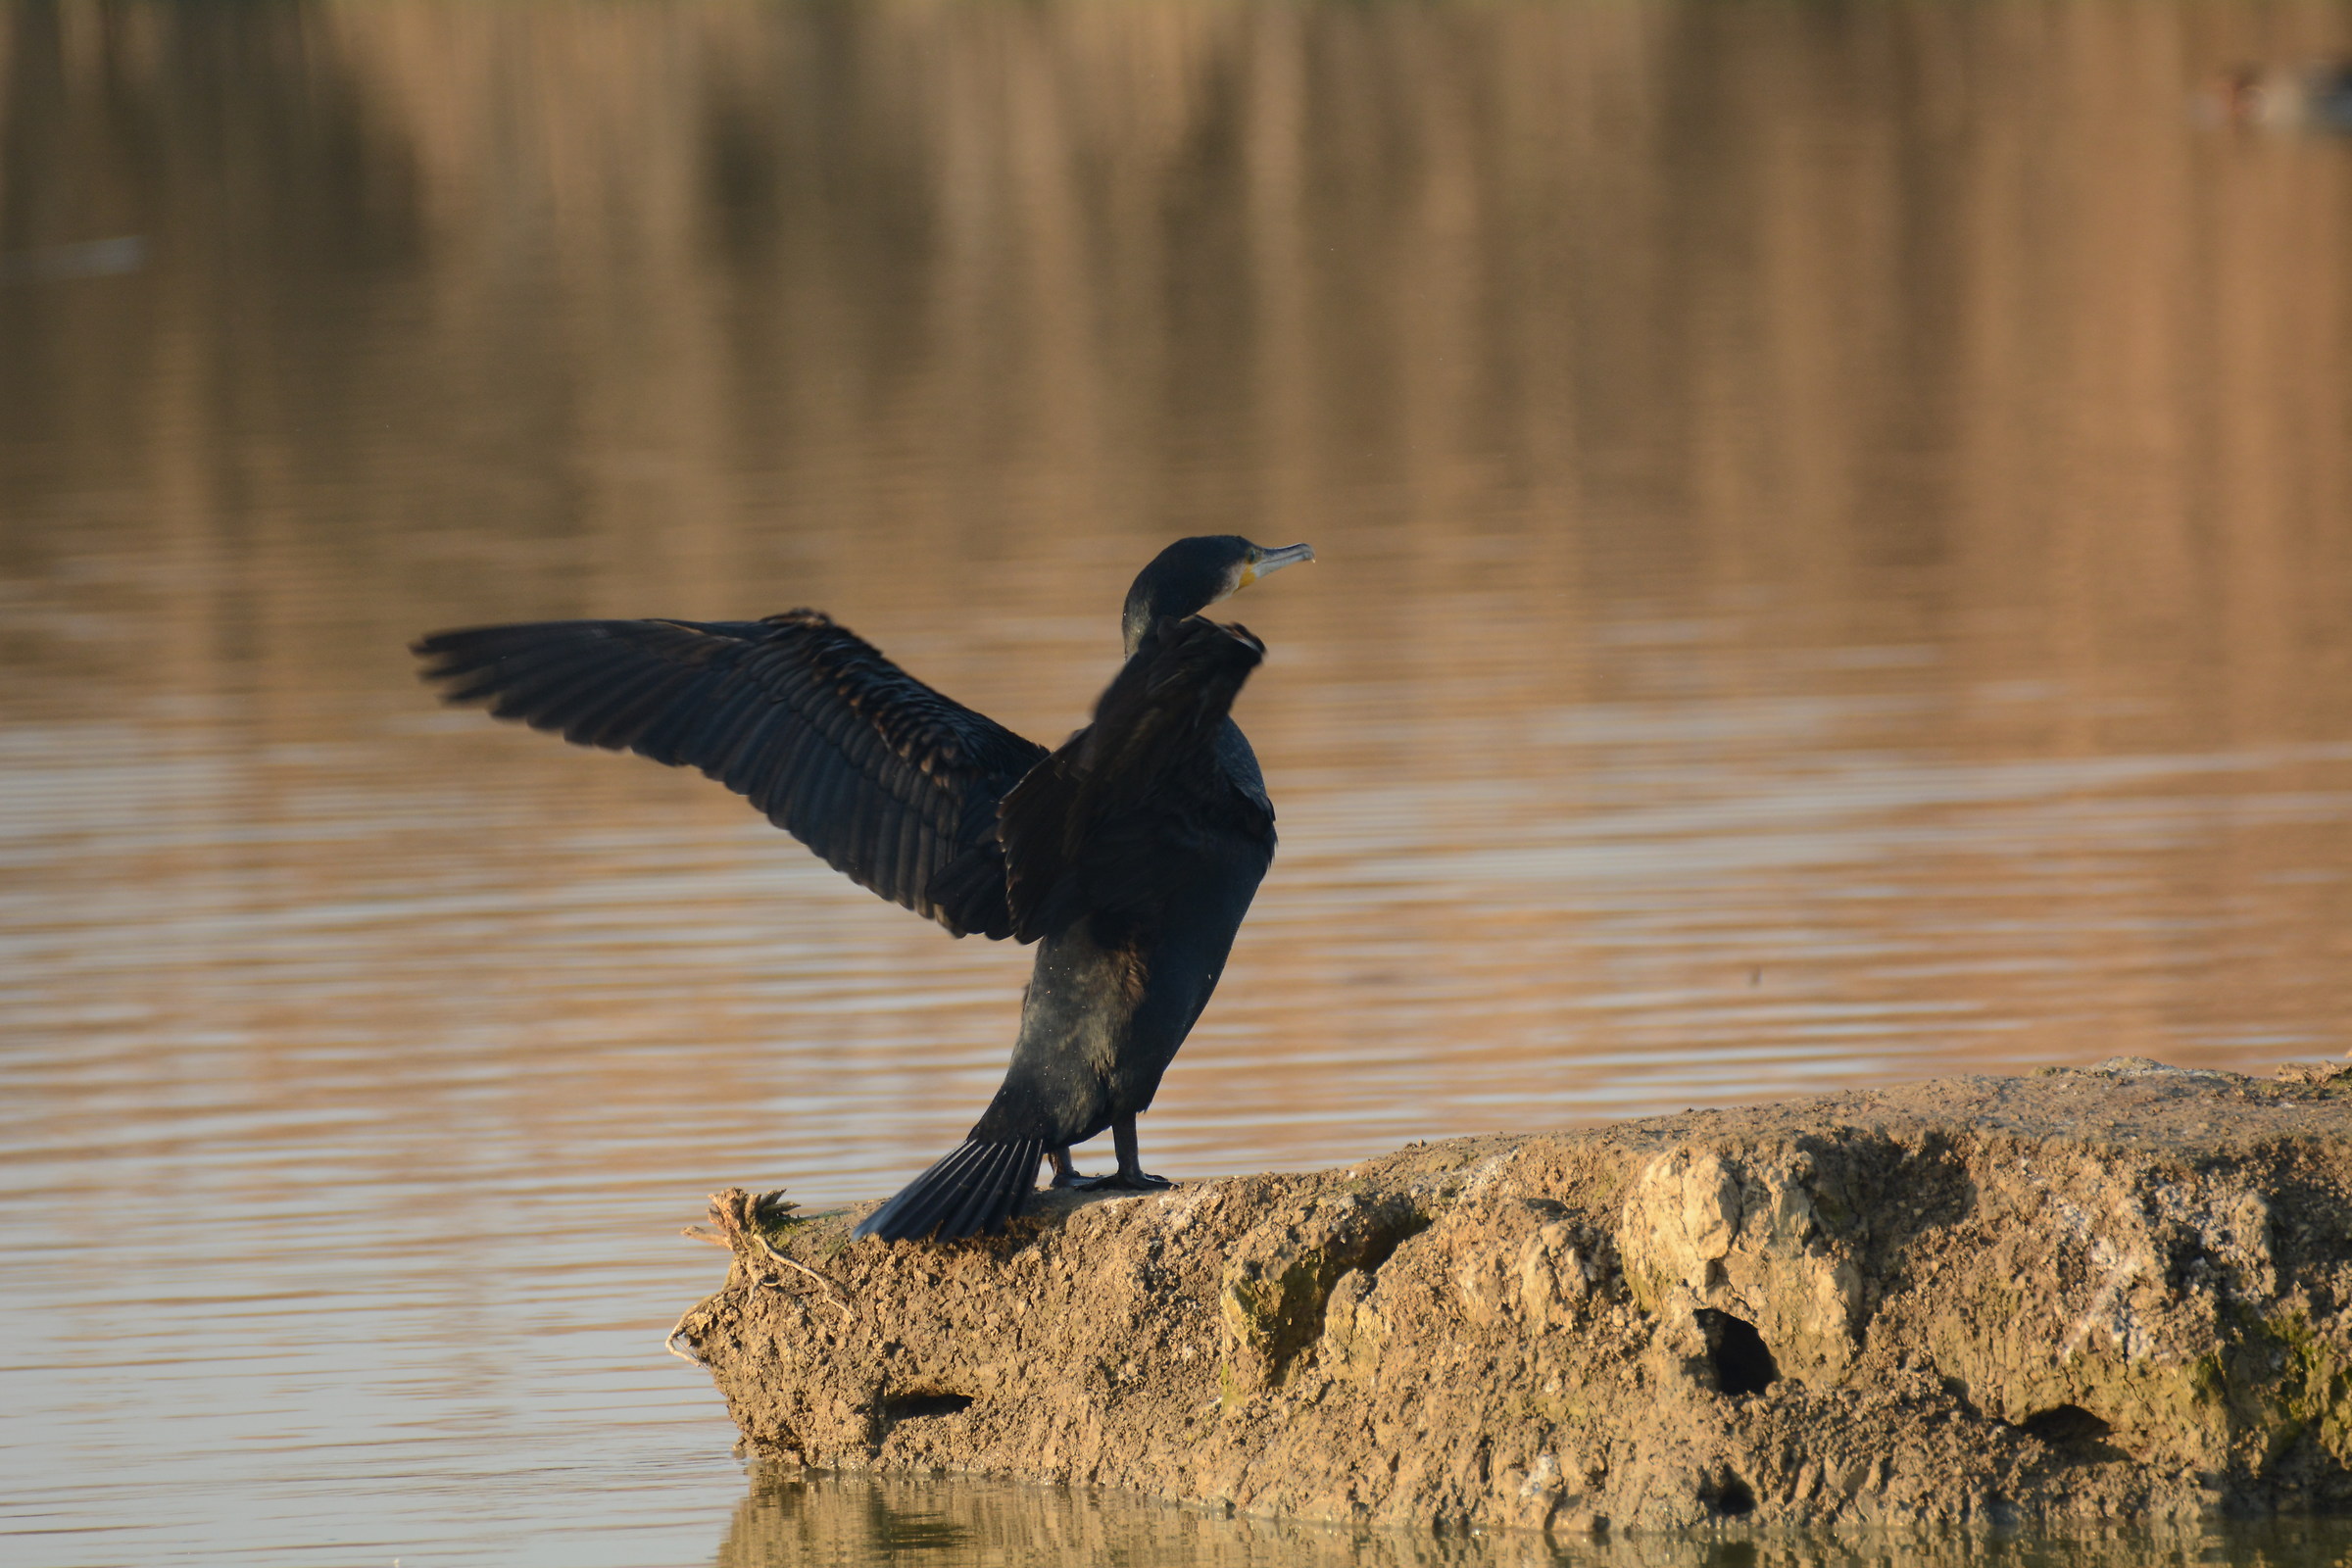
(1384, 1243)
(913, 1406)
(1729, 1495)
(2066, 1426)
(1735, 1351)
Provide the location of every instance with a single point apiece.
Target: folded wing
(894, 785)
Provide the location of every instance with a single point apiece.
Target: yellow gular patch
(1249, 575)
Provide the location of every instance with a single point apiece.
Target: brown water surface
(1836, 566)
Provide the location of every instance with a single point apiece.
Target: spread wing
(1090, 828)
(892, 784)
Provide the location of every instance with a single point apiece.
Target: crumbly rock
(2029, 1302)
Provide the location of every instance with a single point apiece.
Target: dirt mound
(1978, 1300)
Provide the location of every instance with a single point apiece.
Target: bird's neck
(1155, 598)
(1144, 614)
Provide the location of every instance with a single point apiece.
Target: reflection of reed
(1697, 362)
(1926, 324)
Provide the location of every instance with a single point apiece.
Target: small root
(735, 1218)
(669, 1341)
(823, 1284)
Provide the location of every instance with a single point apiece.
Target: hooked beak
(1270, 561)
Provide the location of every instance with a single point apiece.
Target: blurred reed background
(1835, 533)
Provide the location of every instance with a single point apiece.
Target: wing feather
(756, 780)
(751, 749)
(789, 791)
(884, 777)
(620, 708)
(906, 853)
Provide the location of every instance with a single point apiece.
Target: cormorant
(1129, 854)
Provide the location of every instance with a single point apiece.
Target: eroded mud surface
(2028, 1303)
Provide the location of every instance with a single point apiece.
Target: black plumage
(888, 780)
(1130, 853)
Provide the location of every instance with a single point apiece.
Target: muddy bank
(2026, 1302)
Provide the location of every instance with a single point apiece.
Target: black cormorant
(1129, 856)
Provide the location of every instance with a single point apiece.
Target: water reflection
(819, 1521)
(1837, 565)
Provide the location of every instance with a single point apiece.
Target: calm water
(1835, 533)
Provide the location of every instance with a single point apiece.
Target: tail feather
(935, 1203)
(985, 1209)
(999, 1189)
(963, 1211)
(922, 1204)
(973, 1189)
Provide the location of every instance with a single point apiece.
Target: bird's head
(1191, 574)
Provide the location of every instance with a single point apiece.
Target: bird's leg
(1130, 1176)
(1131, 1173)
(1066, 1174)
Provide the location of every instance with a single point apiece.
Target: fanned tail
(973, 1190)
